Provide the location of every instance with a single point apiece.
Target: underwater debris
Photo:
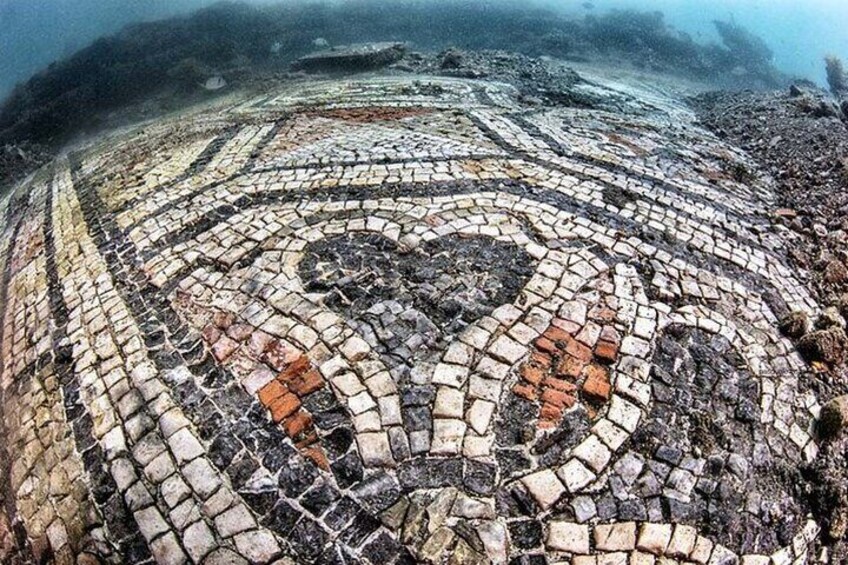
(19, 159)
(795, 324)
(539, 81)
(644, 40)
(189, 73)
(743, 43)
(646, 37)
(451, 59)
(352, 57)
(214, 83)
(748, 53)
(836, 77)
(834, 417)
(797, 135)
(824, 346)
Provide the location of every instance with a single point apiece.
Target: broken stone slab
(358, 57)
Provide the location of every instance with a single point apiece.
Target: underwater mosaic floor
(399, 321)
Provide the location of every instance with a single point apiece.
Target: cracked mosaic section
(397, 321)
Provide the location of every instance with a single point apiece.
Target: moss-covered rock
(795, 325)
(834, 417)
(824, 346)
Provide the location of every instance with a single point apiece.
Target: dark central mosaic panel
(409, 303)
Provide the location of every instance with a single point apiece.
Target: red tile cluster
(570, 362)
(283, 394)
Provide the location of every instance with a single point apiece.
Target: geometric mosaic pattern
(393, 320)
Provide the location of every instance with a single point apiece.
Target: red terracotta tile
(306, 439)
(297, 424)
(532, 375)
(570, 367)
(557, 335)
(317, 456)
(580, 351)
(271, 392)
(549, 414)
(597, 386)
(544, 344)
(306, 383)
(559, 384)
(541, 359)
(294, 369)
(558, 398)
(284, 406)
(606, 352)
(525, 391)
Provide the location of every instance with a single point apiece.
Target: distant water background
(34, 33)
(799, 32)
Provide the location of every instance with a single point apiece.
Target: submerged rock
(795, 325)
(834, 417)
(451, 59)
(352, 57)
(835, 272)
(830, 318)
(824, 346)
